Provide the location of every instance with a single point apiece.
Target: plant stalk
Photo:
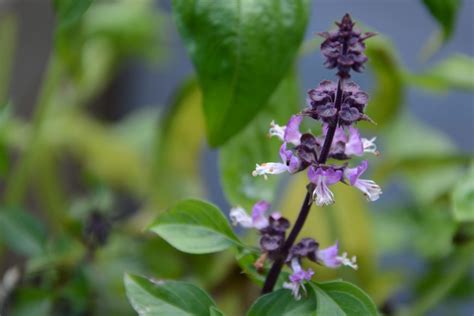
(275, 270)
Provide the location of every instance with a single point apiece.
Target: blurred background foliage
(78, 190)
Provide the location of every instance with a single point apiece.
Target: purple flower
(321, 101)
(297, 278)
(289, 133)
(305, 248)
(292, 131)
(345, 146)
(322, 178)
(370, 189)
(354, 145)
(331, 259)
(258, 219)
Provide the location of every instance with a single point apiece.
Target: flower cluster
(322, 103)
(272, 227)
(344, 47)
(338, 106)
(304, 153)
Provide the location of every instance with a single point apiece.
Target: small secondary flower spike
(338, 106)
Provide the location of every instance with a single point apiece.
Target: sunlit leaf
(178, 146)
(254, 144)
(241, 50)
(167, 298)
(195, 226)
(281, 302)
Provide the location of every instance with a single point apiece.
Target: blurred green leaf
(104, 151)
(433, 233)
(195, 226)
(424, 155)
(463, 197)
(152, 298)
(254, 144)
(427, 232)
(430, 180)
(342, 298)
(92, 44)
(410, 138)
(450, 272)
(388, 93)
(452, 73)
(112, 21)
(241, 50)
(445, 12)
(32, 301)
(69, 12)
(8, 35)
(281, 302)
(5, 117)
(63, 250)
(22, 232)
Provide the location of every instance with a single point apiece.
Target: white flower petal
(277, 130)
(269, 168)
(238, 216)
(369, 146)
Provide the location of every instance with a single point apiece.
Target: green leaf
(150, 298)
(387, 96)
(254, 144)
(428, 232)
(22, 232)
(340, 298)
(452, 73)
(195, 226)
(32, 301)
(241, 50)
(463, 198)
(445, 13)
(214, 311)
(281, 302)
(433, 233)
(69, 12)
